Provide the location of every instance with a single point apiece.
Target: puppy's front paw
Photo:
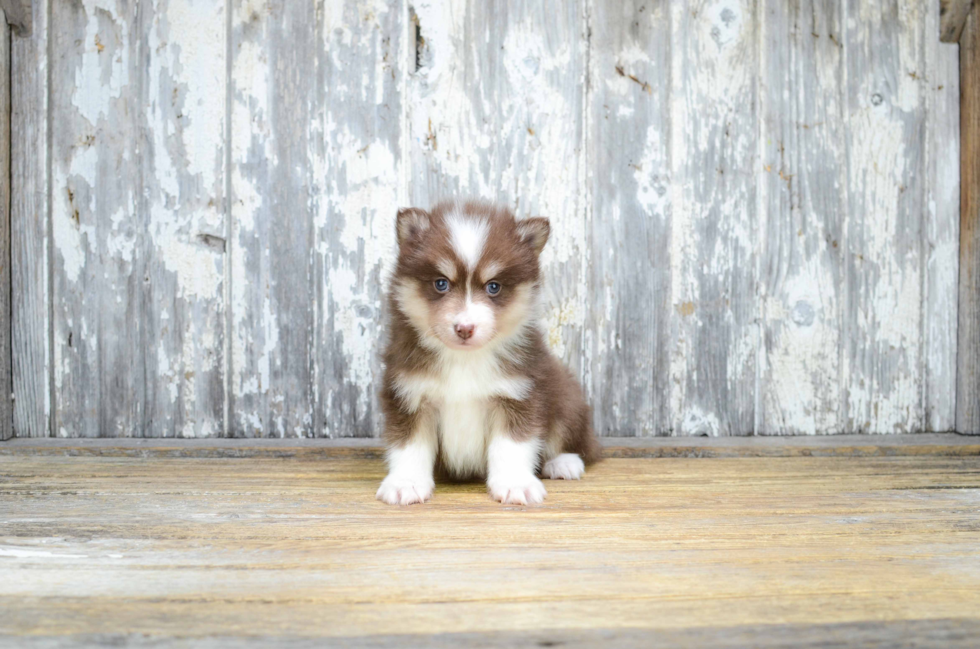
(402, 490)
(517, 490)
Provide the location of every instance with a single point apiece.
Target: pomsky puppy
(470, 387)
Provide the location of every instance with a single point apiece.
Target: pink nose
(464, 331)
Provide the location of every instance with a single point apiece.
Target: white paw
(517, 489)
(402, 490)
(567, 466)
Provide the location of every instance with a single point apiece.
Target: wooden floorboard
(295, 552)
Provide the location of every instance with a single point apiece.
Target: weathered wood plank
(922, 444)
(628, 339)
(504, 120)
(968, 366)
(940, 227)
(95, 176)
(803, 165)
(358, 187)
(29, 229)
(273, 299)
(6, 402)
(201, 548)
(17, 14)
(882, 237)
(137, 173)
(714, 218)
(183, 203)
(952, 19)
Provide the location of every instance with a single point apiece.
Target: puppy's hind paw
(567, 466)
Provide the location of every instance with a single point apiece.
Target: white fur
(410, 471)
(567, 466)
(510, 470)
(480, 316)
(468, 237)
(461, 390)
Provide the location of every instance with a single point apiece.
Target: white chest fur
(461, 391)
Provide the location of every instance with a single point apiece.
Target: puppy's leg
(510, 470)
(410, 466)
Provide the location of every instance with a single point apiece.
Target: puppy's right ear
(412, 222)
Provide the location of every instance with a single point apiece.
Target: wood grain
(630, 263)
(752, 204)
(29, 230)
(881, 241)
(968, 365)
(6, 389)
(715, 218)
(17, 14)
(273, 302)
(941, 233)
(182, 226)
(802, 168)
(358, 186)
(952, 19)
(292, 549)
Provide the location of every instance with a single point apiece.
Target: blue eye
(442, 284)
(493, 288)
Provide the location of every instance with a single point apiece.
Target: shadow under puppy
(469, 382)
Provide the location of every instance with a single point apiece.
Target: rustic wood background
(754, 206)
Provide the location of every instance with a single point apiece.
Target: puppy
(470, 386)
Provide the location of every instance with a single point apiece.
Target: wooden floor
(151, 550)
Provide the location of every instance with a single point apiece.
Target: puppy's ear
(412, 222)
(534, 232)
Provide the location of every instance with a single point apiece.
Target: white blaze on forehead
(468, 237)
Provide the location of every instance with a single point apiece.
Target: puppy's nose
(465, 331)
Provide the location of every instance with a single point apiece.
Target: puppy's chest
(462, 396)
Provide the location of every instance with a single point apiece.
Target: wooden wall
(754, 206)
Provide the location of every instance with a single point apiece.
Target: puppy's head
(467, 274)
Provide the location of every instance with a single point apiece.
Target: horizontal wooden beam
(18, 14)
(936, 444)
(952, 18)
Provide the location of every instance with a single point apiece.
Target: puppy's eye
(442, 284)
(493, 288)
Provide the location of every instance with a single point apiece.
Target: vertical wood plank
(629, 297)
(95, 171)
(357, 186)
(803, 167)
(273, 304)
(968, 366)
(883, 257)
(137, 172)
(6, 403)
(29, 231)
(714, 217)
(940, 222)
(497, 111)
(182, 302)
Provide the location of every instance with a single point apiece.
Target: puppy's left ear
(411, 224)
(534, 232)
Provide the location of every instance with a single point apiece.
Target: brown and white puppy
(469, 382)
